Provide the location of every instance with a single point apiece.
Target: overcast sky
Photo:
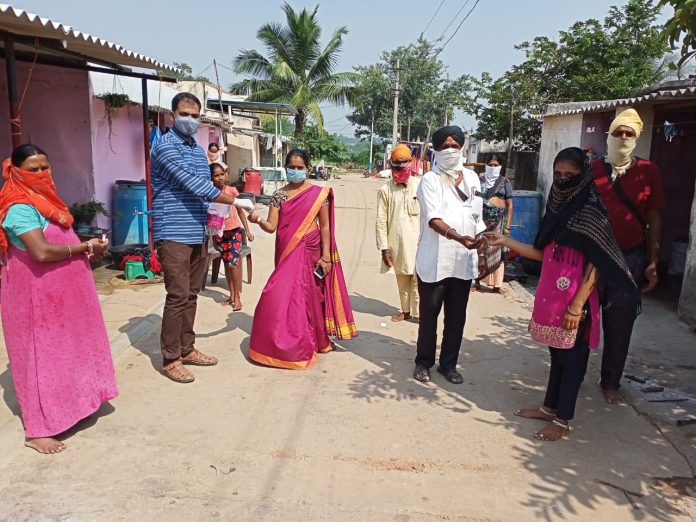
(198, 32)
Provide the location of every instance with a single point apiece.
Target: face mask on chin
(186, 125)
(448, 160)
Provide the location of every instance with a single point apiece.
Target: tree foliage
(296, 69)
(321, 145)
(682, 22)
(591, 60)
(426, 93)
(185, 73)
(285, 126)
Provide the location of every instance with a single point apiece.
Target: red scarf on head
(32, 188)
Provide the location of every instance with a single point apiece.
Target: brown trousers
(184, 268)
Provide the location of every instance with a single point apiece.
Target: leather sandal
(452, 376)
(421, 373)
(177, 372)
(198, 358)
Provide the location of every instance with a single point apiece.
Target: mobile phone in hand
(319, 272)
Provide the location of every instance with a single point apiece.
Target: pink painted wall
(56, 117)
(120, 156)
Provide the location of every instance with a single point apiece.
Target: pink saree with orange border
(297, 312)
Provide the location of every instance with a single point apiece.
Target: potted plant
(84, 213)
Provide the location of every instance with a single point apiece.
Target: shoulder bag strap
(618, 189)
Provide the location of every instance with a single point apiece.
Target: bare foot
(542, 413)
(498, 290)
(612, 396)
(403, 316)
(45, 445)
(554, 430)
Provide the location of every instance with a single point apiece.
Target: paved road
(353, 438)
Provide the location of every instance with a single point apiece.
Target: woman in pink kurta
(298, 310)
(56, 341)
(577, 247)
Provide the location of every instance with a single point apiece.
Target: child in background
(230, 244)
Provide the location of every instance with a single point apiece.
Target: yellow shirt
(398, 224)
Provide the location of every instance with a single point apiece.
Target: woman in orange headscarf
(54, 330)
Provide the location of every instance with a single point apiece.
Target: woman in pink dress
(577, 247)
(55, 337)
(305, 300)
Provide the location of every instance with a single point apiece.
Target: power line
(460, 25)
(431, 20)
(452, 21)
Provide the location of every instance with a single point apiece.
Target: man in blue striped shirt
(181, 192)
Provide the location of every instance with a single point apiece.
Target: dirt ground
(354, 437)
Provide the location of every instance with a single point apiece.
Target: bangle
(90, 248)
(447, 232)
(325, 260)
(69, 252)
(571, 313)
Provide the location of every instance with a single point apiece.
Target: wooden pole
(146, 149)
(11, 68)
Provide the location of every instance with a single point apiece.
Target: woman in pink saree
(298, 310)
(54, 330)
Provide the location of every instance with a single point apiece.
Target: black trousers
(453, 293)
(618, 317)
(567, 372)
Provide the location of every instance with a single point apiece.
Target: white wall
(558, 133)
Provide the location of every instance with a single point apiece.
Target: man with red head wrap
(398, 228)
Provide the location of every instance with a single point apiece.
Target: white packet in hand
(245, 204)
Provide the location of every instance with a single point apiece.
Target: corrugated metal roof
(665, 94)
(20, 22)
(256, 106)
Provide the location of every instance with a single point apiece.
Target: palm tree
(297, 71)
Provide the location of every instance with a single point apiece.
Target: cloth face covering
(449, 160)
(186, 125)
(296, 175)
(620, 155)
(32, 188)
(401, 174)
(492, 174)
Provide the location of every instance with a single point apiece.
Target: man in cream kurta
(398, 228)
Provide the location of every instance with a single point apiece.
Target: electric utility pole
(395, 124)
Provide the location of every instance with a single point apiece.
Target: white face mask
(448, 160)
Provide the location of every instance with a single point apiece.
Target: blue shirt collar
(183, 138)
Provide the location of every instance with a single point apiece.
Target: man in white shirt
(447, 259)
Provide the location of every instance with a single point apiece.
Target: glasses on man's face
(624, 134)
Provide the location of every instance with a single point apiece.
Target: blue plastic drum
(526, 206)
(130, 220)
